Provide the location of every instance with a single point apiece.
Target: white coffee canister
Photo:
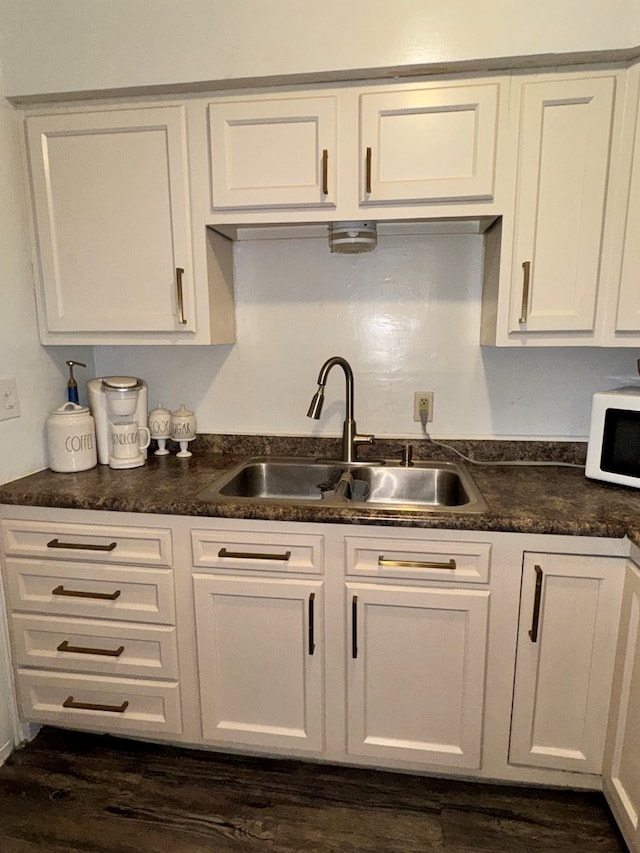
(71, 439)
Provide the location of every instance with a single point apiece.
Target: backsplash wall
(407, 318)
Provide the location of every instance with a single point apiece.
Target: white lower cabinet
(100, 703)
(260, 652)
(441, 651)
(93, 623)
(416, 673)
(622, 761)
(566, 646)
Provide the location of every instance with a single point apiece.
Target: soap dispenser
(72, 385)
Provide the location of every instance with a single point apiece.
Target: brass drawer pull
(325, 172)
(85, 650)
(76, 593)
(70, 702)
(367, 186)
(180, 296)
(78, 546)
(246, 555)
(537, 600)
(526, 276)
(417, 564)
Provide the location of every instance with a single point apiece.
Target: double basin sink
(422, 486)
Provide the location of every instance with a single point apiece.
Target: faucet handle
(363, 439)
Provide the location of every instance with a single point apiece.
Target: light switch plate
(9, 403)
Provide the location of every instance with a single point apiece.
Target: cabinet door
(563, 162)
(628, 313)
(273, 152)
(622, 763)
(110, 194)
(416, 673)
(566, 643)
(260, 659)
(429, 144)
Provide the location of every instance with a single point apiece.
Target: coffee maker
(119, 407)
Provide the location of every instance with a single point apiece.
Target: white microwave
(613, 452)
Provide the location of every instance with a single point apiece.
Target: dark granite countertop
(555, 500)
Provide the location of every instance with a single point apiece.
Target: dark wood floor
(75, 792)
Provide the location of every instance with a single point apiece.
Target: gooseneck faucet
(350, 436)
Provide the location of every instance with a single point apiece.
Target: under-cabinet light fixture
(349, 238)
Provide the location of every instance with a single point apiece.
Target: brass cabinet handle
(76, 593)
(367, 187)
(179, 296)
(312, 643)
(247, 555)
(526, 276)
(537, 598)
(354, 627)
(70, 702)
(325, 172)
(85, 650)
(417, 564)
(56, 543)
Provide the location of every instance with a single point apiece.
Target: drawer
(87, 645)
(99, 703)
(144, 546)
(257, 551)
(423, 559)
(104, 592)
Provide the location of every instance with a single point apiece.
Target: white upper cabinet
(552, 262)
(627, 312)
(374, 152)
(111, 196)
(273, 152)
(429, 144)
(111, 208)
(565, 137)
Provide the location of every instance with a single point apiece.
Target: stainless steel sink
(424, 486)
(270, 478)
(439, 485)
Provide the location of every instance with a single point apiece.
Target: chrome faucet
(350, 436)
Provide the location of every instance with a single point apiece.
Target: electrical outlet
(9, 403)
(423, 401)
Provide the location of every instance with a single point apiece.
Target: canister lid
(159, 410)
(70, 409)
(182, 412)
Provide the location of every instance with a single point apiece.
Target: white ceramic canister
(183, 424)
(183, 429)
(71, 439)
(160, 428)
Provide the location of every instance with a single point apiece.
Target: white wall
(407, 317)
(39, 373)
(74, 46)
